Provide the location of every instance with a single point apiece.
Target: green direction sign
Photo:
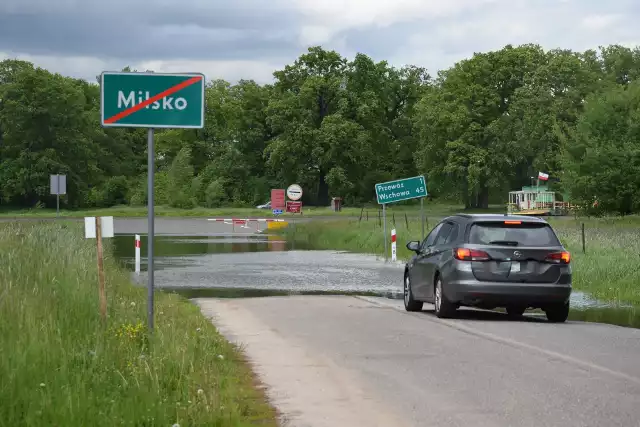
(152, 100)
(401, 189)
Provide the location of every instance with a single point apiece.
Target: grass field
(609, 270)
(373, 211)
(59, 365)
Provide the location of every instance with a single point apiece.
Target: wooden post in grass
(361, 212)
(584, 249)
(103, 296)
(406, 220)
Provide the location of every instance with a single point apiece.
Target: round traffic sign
(294, 192)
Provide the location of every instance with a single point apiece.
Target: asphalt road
(358, 361)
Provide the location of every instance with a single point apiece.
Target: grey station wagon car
(489, 261)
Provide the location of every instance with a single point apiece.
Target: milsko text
(167, 103)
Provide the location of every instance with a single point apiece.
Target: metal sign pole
(422, 215)
(58, 197)
(151, 231)
(384, 221)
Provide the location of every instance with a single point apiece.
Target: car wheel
(410, 304)
(557, 313)
(443, 307)
(515, 311)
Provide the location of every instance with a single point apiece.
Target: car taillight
(464, 254)
(559, 257)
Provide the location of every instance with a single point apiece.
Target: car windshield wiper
(504, 242)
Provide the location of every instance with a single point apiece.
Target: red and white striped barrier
(137, 253)
(393, 244)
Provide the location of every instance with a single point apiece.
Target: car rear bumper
(473, 292)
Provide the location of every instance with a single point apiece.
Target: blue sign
(277, 211)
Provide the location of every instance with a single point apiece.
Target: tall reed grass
(60, 366)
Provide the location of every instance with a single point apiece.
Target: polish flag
(543, 176)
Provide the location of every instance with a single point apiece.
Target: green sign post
(151, 100)
(397, 191)
(401, 189)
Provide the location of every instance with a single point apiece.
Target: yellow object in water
(277, 225)
(533, 212)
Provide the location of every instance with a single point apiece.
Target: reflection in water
(169, 249)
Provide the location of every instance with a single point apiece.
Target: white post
(393, 245)
(137, 254)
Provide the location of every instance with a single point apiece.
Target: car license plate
(515, 266)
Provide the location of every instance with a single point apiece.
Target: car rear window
(524, 234)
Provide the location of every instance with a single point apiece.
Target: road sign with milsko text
(401, 189)
(152, 100)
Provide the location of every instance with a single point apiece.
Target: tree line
(477, 130)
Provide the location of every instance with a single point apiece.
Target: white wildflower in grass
(176, 425)
(133, 304)
(200, 391)
(198, 330)
(42, 385)
(221, 357)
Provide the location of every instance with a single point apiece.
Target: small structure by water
(537, 200)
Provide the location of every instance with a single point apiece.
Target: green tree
(465, 143)
(602, 157)
(44, 131)
(180, 179)
(306, 93)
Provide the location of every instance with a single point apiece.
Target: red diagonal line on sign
(170, 91)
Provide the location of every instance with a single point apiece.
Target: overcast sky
(250, 39)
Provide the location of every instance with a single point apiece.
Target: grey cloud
(379, 43)
(131, 32)
(142, 30)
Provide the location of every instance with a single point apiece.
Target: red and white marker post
(393, 244)
(138, 254)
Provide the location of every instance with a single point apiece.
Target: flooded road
(201, 258)
(263, 262)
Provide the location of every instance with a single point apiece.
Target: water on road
(262, 263)
(201, 258)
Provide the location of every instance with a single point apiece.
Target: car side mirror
(414, 246)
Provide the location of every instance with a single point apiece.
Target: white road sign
(294, 192)
(106, 227)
